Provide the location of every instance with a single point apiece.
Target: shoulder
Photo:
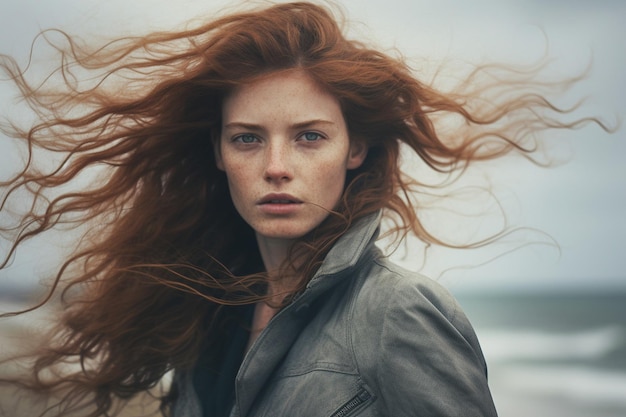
(414, 345)
(394, 301)
(387, 289)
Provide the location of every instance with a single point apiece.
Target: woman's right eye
(245, 138)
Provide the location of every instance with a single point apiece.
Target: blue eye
(311, 136)
(245, 138)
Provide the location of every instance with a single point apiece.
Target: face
(285, 150)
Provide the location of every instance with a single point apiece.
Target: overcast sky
(582, 204)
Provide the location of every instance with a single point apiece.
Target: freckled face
(285, 150)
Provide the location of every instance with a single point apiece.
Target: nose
(277, 165)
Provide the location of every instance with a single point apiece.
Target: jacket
(366, 338)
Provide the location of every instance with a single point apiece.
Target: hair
(166, 252)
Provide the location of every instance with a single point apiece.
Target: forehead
(285, 94)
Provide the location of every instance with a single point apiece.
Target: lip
(279, 198)
(279, 203)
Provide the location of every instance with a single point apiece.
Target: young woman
(240, 171)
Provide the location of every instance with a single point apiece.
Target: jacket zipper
(360, 398)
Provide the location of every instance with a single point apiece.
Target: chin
(286, 232)
(282, 234)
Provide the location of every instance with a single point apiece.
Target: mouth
(279, 199)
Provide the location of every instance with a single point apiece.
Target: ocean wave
(579, 385)
(526, 344)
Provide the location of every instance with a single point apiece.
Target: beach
(22, 334)
(553, 355)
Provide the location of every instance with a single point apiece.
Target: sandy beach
(22, 334)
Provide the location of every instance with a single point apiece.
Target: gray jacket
(366, 338)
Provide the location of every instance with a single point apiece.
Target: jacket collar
(349, 249)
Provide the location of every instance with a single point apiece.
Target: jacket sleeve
(430, 363)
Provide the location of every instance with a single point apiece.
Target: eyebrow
(299, 125)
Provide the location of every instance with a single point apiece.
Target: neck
(274, 253)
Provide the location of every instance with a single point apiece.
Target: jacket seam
(349, 327)
(318, 367)
(383, 327)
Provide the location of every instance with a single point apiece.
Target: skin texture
(284, 136)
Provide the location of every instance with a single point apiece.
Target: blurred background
(551, 319)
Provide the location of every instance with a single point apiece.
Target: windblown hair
(166, 252)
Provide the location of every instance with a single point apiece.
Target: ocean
(549, 355)
(553, 355)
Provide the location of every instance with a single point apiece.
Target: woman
(242, 169)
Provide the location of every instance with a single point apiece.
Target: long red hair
(166, 250)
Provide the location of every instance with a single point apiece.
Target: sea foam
(573, 383)
(510, 345)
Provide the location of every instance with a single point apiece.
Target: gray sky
(581, 204)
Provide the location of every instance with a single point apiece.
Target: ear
(358, 152)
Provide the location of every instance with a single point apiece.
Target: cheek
(332, 180)
(235, 166)
(236, 177)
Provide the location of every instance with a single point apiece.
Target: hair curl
(167, 251)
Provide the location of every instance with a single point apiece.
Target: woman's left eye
(311, 136)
